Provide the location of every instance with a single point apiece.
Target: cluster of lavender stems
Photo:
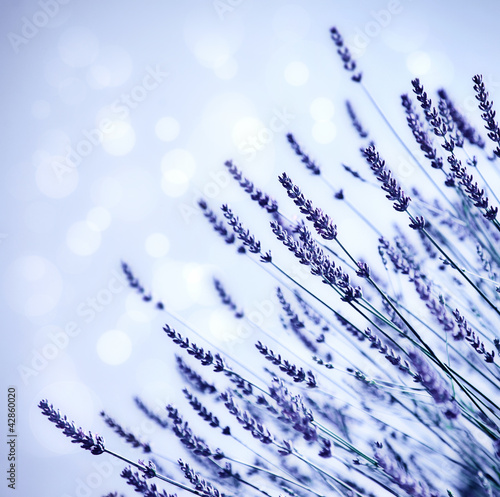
(377, 374)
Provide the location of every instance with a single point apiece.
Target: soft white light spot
(245, 129)
(212, 51)
(99, 218)
(227, 70)
(179, 159)
(157, 245)
(56, 178)
(114, 347)
(322, 109)
(82, 239)
(167, 129)
(324, 132)
(296, 73)
(113, 67)
(107, 192)
(419, 63)
(40, 109)
(221, 326)
(34, 268)
(78, 47)
(72, 91)
(174, 183)
(120, 140)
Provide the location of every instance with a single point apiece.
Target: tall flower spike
(305, 159)
(420, 134)
(226, 299)
(194, 378)
(126, 435)
(135, 284)
(264, 200)
(488, 114)
(87, 441)
(244, 234)
(218, 226)
(355, 121)
(464, 126)
(298, 374)
(206, 358)
(310, 254)
(150, 414)
(384, 175)
(140, 484)
(205, 488)
(434, 385)
(401, 477)
(345, 55)
(258, 430)
(322, 223)
(465, 331)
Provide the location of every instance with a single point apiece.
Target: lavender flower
(467, 130)
(355, 121)
(310, 254)
(402, 478)
(202, 411)
(434, 385)
(294, 411)
(149, 413)
(488, 114)
(309, 163)
(184, 433)
(345, 54)
(87, 441)
(134, 283)
(244, 235)
(298, 374)
(206, 358)
(218, 226)
(465, 331)
(140, 484)
(264, 200)
(128, 436)
(194, 378)
(384, 175)
(323, 224)
(420, 134)
(205, 488)
(258, 430)
(226, 299)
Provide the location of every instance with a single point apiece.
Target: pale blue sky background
(154, 97)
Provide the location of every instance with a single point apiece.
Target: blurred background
(117, 118)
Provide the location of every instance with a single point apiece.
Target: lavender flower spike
(401, 478)
(434, 385)
(264, 200)
(309, 163)
(384, 175)
(323, 224)
(129, 437)
(345, 54)
(95, 444)
(488, 114)
(244, 235)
